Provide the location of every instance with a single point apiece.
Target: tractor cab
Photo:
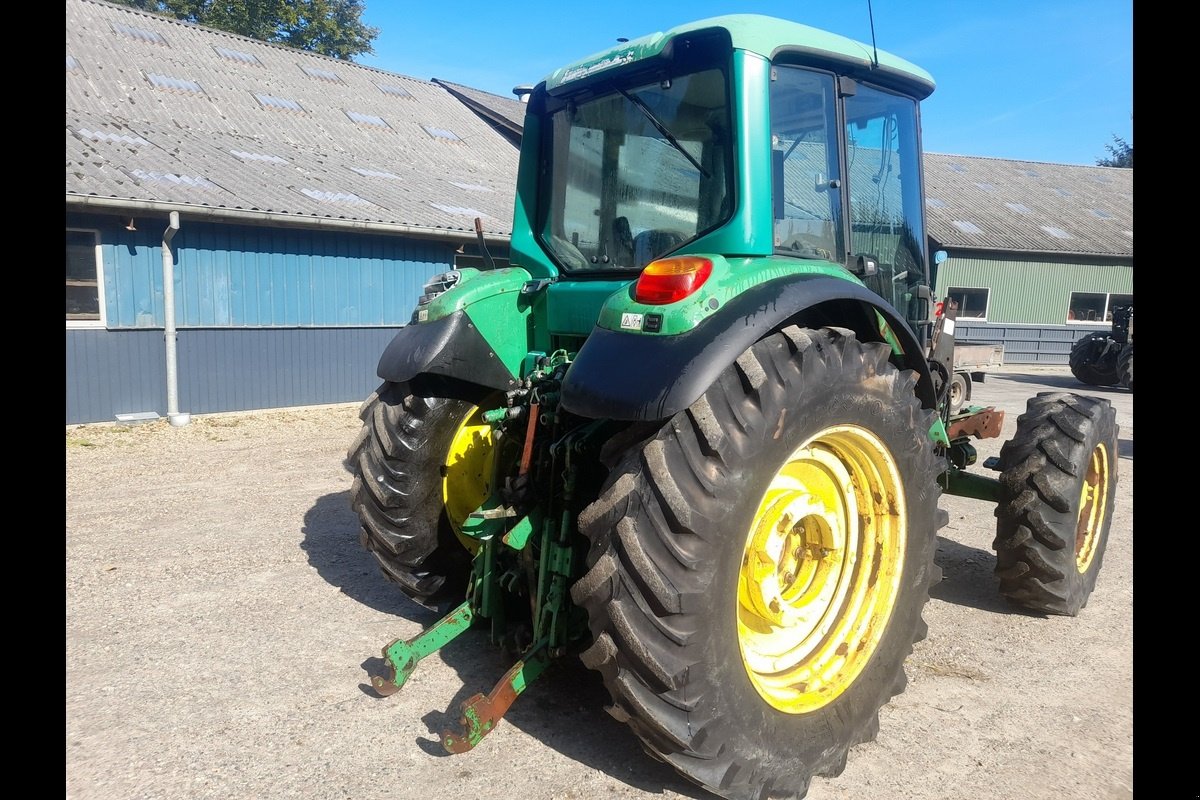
(737, 137)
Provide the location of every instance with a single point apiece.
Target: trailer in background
(972, 361)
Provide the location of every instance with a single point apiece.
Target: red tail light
(938, 309)
(670, 279)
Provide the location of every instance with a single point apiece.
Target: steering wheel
(807, 247)
(568, 253)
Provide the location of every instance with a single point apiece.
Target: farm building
(1039, 254)
(315, 197)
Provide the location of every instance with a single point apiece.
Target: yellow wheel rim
(1093, 502)
(821, 569)
(467, 472)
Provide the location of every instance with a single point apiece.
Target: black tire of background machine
(1043, 470)
(396, 461)
(1092, 362)
(1125, 366)
(667, 536)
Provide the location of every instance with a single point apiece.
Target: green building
(1039, 254)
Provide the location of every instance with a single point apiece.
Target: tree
(329, 27)
(1120, 154)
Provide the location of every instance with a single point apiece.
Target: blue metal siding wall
(1028, 344)
(114, 372)
(118, 372)
(302, 278)
(242, 370)
(268, 317)
(242, 276)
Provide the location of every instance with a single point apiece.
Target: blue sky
(1028, 80)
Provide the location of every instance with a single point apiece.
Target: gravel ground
(222, 619)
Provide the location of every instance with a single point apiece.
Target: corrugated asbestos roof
(506, 112)
(159, 110)
(998, 204)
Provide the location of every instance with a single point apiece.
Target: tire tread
(648, 543)
(1042, 470)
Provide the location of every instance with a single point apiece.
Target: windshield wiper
(666, 134)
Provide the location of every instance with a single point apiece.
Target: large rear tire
(1058, 484)
(418, 462)
(1093, 360)
(758, 568)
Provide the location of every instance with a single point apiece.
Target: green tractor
(696, 433)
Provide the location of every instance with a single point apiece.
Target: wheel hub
(821, 567)
(790, 557)
(467, 472)
(1093, 500)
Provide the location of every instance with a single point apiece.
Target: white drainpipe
(173, 416)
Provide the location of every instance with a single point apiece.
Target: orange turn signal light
(670, 279)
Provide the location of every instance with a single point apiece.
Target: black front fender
(634, 376)
(450, 347)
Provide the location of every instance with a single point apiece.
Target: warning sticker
(631, 322)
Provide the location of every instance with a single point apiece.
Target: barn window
(1095, 306)
(972, 303)
(85, 300)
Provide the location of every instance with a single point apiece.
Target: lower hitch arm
(402, 656)
(481, 712)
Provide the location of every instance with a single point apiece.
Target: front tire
(415, 461)
(1058, 484)
(1093, 362)
(758, 568)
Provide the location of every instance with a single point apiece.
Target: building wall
(114, 372)
(266, 318)
(1028, 344)
(1024, 290)
(1028, 300)
(220, 369)
(243, 276)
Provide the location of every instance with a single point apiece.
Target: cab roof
(769, 37)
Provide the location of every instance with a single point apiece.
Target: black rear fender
(642, 377)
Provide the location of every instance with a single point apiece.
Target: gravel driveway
(221, 619)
